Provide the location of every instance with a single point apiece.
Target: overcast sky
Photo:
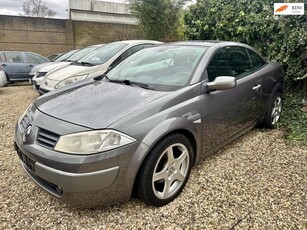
(14, 7)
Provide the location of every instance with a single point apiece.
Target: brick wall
(48, 36)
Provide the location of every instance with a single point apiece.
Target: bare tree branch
(37, 8)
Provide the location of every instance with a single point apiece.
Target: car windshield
(103, 54)
(81, 53)
(164, 68)
(65, 56)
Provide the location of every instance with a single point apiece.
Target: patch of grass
(2, 125)
(293, 119)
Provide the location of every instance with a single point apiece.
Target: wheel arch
(180, 125)
(278, 88)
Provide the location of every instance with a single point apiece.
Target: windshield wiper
(99, 78)
(87, 63)
(126, 82)
(132, 83)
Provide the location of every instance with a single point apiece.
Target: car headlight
(92, 142)
(40, 74)
(25, 112)
(70, 80)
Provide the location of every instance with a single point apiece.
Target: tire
(273, 114)
(170, 161)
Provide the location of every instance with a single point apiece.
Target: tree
(159, 19)
(37, 8)
(280, 38)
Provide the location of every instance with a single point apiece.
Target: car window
(65, 56)
(129, 52)
(103, 54)
(229, 61)
(2, 57)
(81, 53)
(256, 60)
(33, 58)
(162, 68)
(15, 57)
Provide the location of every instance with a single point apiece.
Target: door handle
(3, 65)
(256, 87)
(30, 65)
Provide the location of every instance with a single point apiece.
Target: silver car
(62, 62)
(93, 64)
(18, 64)
(141, 127)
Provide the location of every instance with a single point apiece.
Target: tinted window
(103, 54)
(14, 57)
(229, 61)
(256, 60)
(33, 58)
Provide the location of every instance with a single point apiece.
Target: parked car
(17, 65)
(144, 124)
(53, 57)
(62, 62)
(94, 64)
(3, 80)
(61, 58)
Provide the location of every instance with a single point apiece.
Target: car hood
(53, 66)
(70, 71)
(96, 105)
(38, 67)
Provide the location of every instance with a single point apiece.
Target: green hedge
(279, 38)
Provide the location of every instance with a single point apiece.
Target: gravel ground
(256, 182)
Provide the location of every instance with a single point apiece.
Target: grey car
(17, 64)
(141, 127)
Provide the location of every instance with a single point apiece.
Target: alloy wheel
(276, 110)
(170, 171)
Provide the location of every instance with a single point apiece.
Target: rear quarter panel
(272, 81)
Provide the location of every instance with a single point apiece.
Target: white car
(93, 64)
(63, 61)
(61, 58)
(3, 79)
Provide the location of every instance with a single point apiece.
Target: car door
(227, 112)
(15, 66)
(258, 66)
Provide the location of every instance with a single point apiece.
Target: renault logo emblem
(26, 133)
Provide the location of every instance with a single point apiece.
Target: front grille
(43, 91)
(24, 123)
(46, 138)
(25, 159)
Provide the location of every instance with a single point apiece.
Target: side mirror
(221, 83)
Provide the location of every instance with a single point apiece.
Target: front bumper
(80, 181)
(57, 181)
(36, 82)
(48, 85)
(42, 91)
